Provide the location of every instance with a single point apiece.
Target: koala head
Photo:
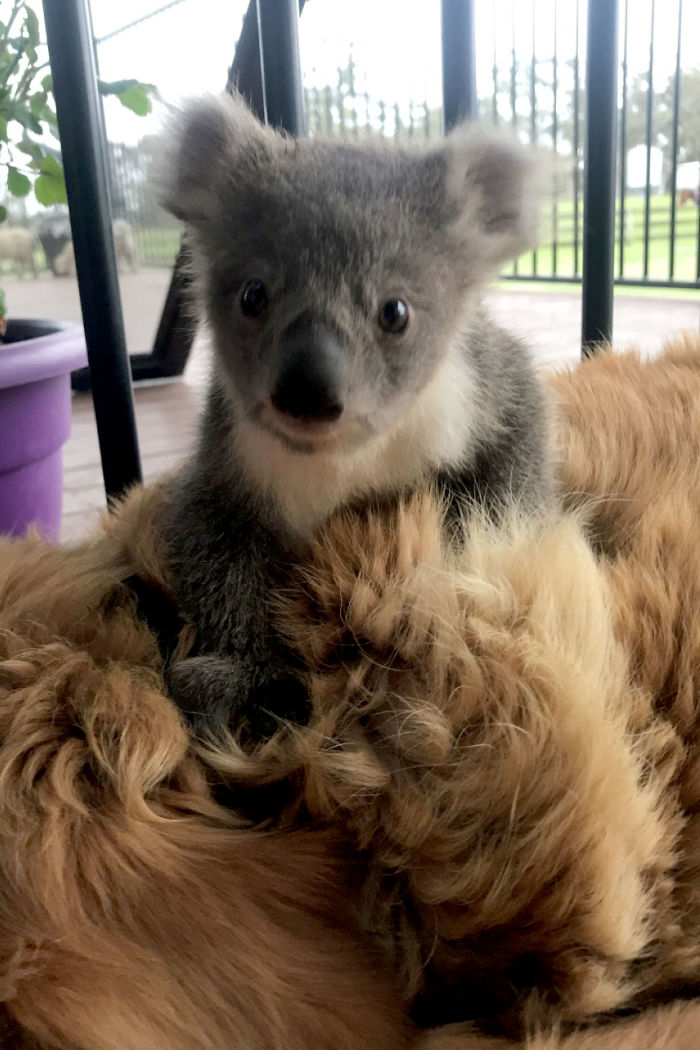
(339, 279)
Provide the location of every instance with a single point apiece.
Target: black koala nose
(309, 376)
(301, 397)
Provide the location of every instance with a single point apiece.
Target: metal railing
(537, 86)
(657, 243)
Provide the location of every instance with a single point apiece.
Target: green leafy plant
(29, 152)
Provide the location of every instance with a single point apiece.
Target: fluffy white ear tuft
(496, 185)
(209, 136)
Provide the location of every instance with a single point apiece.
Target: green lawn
(562, 220)
(157, 246)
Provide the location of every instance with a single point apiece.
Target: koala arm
(219, 691)
(227, 567)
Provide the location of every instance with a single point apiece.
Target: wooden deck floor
(167, 412)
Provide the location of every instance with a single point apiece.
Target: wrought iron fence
(540, 95)
(534, 84)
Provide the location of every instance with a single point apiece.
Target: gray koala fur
(333, 232)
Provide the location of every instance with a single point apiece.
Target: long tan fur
(505, 741)
(674, 1027)
(135, 913)
(472, 733)
(511, 734)
(631, 449)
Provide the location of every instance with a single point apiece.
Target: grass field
(546, 262)
(158, 246)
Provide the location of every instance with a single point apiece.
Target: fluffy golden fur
(135, 913)
(510, 734)
(674, 1027)
(472, 736)
(631, 451)
(505, 740)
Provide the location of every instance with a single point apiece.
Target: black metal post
(245, 74)
(674, 142)
(175, 333)
(69, 38)
(623, 147)
(278, 30)
(533, 103)
(599, 174)
(459, 100)
(577, 93)
(555, 133)
(513, 92)
(494, 71)
(649, 126)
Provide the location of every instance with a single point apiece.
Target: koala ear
(209, 138)
(494, 184)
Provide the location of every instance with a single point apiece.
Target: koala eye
(393, 316)
(253, 298)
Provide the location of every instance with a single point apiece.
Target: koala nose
(308, 383)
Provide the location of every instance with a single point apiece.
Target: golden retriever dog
(135, 913)
(674, 1027)
(494, 807)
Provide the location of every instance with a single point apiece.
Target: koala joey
(352, 362)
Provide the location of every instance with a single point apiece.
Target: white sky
(396, 45)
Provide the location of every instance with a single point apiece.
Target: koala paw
(214, 692)
(273, 702)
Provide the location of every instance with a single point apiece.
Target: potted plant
(36, 356)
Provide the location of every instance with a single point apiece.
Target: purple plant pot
(36, 361)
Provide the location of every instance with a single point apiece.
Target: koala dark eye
(393, 316)
(253, 298)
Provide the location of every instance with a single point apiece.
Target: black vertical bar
(69, 37)
(513, 74)
(278, 30)
(176, 332)
(328, 109)
(494, 71)
(650, 118)
(244, 73)
(599, 174)
(576, 144)
(341, 106)
(533, 82)
(355, 119)
(513, 90)
(555, 205)
(459, 100)
(623, 147)
(533, 104)
(176, 328)
(674, 144)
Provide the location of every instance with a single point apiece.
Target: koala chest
(439, 429)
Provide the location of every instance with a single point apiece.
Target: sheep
(124, 248)
(18, 245)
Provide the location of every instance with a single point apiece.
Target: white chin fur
(437, 430)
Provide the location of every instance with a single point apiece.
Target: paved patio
(549, 320)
